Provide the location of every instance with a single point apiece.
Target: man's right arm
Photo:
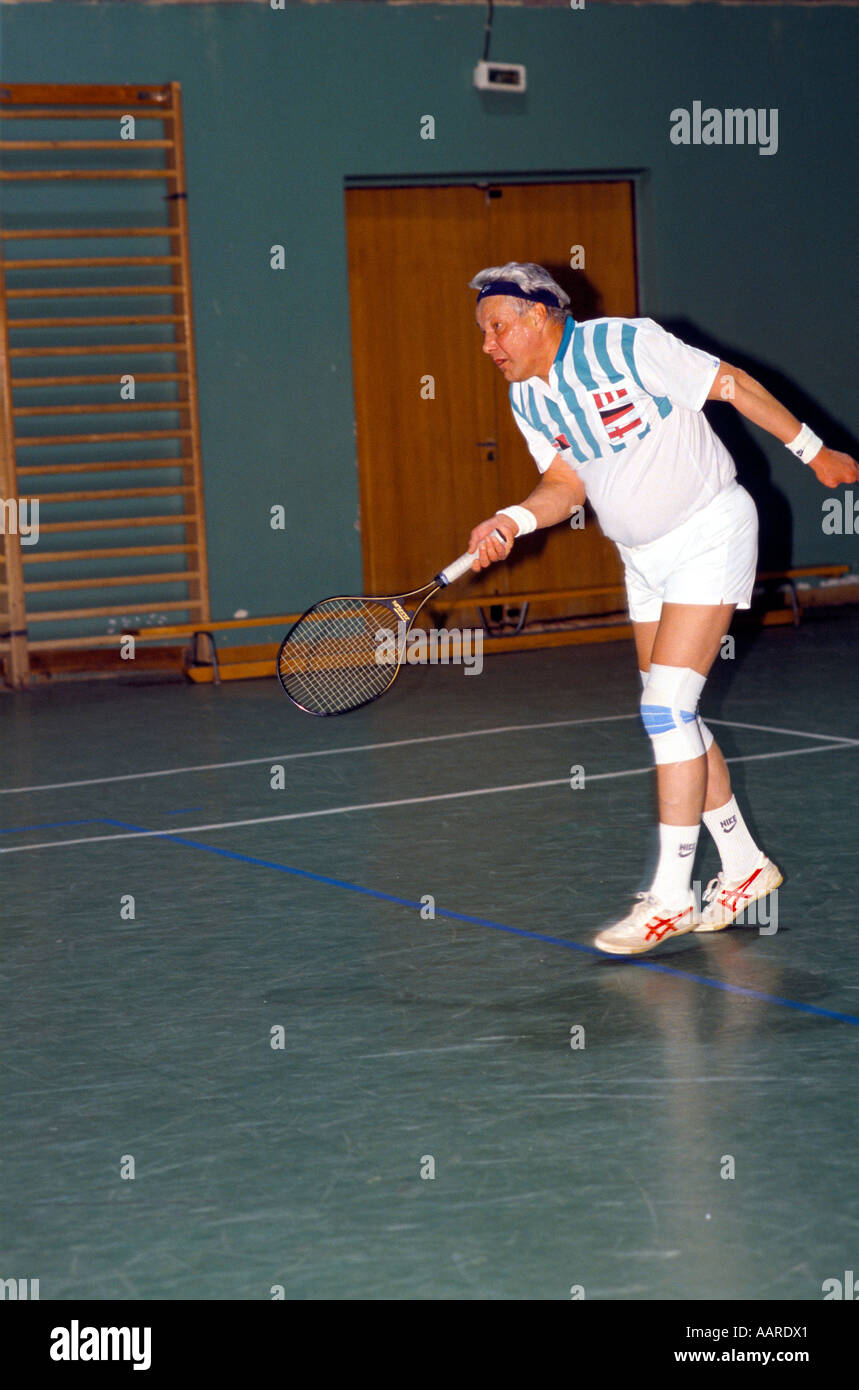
(558, 492)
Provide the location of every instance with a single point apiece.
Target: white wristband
(806, 446)
(525, 520)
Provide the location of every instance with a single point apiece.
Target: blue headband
(510, 288)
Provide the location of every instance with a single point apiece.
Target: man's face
(514, 341)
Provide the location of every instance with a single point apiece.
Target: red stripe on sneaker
(666, 923)
(730, 897)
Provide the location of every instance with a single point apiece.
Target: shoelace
(713, 888)
(644, 899)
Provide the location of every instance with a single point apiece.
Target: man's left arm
(755, 402)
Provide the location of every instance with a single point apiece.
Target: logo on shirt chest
(618, 413)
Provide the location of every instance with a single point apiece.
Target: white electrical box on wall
(499, 77)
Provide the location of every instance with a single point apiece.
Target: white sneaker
(649, 924)
(725, 901)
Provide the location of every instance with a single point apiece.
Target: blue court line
(52, 825)
(90, 820)
(496, 926)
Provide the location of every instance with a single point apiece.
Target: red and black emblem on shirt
(617, 412)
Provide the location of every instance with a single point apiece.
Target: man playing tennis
(611, 411)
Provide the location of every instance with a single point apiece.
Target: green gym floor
(414, 1043)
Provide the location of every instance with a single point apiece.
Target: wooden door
(423, 398)
(544, 223)
(437, 446)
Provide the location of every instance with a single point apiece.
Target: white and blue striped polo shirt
(623, 408)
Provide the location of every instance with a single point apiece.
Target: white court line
(184, 831)
(391, 743)
(772, 729)
(313, 753)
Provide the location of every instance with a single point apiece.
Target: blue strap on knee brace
(658, 719)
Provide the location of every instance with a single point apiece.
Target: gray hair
(527, 276)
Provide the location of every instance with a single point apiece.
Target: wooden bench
(495, 628)
(57, 656)
(786, 579)
(523, 601)
(249, 662)
(204, 663)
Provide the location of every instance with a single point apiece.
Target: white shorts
(711, 559)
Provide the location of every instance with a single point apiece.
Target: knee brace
(706, 735)
(669, 712)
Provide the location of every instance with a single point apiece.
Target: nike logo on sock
(685, 850)
(729, 824)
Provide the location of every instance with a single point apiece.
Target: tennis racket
(345, 652)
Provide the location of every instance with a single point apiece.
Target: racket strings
(341, 654)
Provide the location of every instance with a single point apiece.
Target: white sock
(673, 881)
(736, 847)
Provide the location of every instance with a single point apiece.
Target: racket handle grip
(457, 568)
